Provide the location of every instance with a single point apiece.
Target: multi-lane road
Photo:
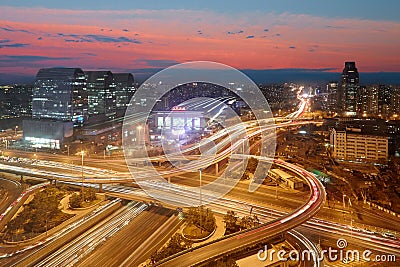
(78, 248)
(136, 242)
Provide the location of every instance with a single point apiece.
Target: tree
(89, 194)
(176, 244)
(230, 220)
(248, 222)
(75, 201)
(250, 169)
(39, 213)
(202, 218)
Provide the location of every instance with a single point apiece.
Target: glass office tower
(349, 87)
(60, 94)
(101, 93)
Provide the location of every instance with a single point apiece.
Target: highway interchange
(281, 223)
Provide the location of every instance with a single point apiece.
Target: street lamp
(201, 210)
(67, 146)
(139, 128)
(16, 127)
(200, 187)
(344, 204)
(82, 153)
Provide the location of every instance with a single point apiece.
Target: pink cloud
(174, 35)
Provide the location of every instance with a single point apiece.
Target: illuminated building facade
(124, 89)
(60, 94)
(349, 88)
(355, 145)
(332, 99)
(101, 94)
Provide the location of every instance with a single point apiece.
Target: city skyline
(310, 37)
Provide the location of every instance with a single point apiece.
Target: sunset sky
(129, 35)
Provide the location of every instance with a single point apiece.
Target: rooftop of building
(284, 175)
(58, 73)
(123, 77)
(360, 131)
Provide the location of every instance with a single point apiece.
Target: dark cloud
(278, 34)
(266, 30)
(6, 43)
(13, 45)
(40, 38)
(10, 29)
(235, 32)
(90, 38)
(335, 27)
(311, 50)
(292, 47)
(156, 63)
(89, 54)
(125, 30)
(250, 36)
(199, 32)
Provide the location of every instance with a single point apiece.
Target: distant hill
(297, 75)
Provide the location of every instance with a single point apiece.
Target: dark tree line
(202, 218)
(77, 199)
(234, 224)
(40, 214)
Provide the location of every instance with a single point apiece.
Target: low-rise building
(289, 180)
(49, 134)
(358, 145)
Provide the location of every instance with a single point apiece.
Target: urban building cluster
(68, 102)
(15, 101)
(366, 126)
(350, 98)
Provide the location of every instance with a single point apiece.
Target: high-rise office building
(332, 99)
(384, 100)
(60, 94)
(396, 102)
(101, 94)
(59, 102)
(124, 89)
(363, 100)
(373, 100)
(349, 88)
